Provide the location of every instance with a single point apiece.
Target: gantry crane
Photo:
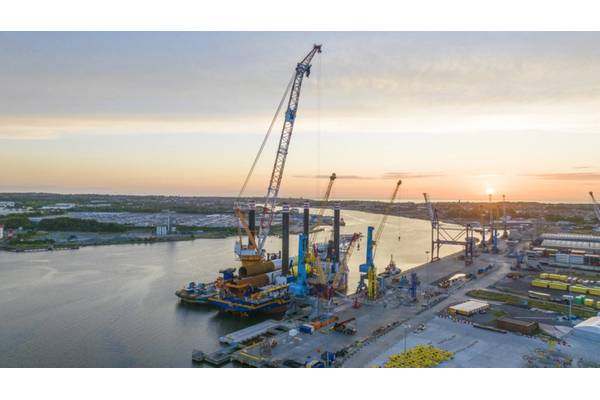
(255, 252)
(449, 235)
(596, 206)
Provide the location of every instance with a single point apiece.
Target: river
(114, 306)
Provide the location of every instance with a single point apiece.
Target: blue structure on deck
(299, 288)
(364, 268)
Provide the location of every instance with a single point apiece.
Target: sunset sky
(453, 114)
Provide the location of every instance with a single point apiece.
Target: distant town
(46, 221)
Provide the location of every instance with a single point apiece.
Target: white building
(59, 206)
(161, 230)
(588, 329)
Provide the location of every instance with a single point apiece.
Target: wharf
(252, 332)
(221, 356)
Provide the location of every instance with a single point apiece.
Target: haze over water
(114, 306)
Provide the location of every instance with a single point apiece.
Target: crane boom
(385, 216)
(302, 69)
(429, 207)
(325, 200)
(596, 206)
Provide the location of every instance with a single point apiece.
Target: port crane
(385, 216)
(596, 206)
(255, 251)
(322, 209)
(368, 269)
(448, 235)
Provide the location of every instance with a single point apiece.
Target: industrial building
(517, 325)
(468, 308)
(588, 329)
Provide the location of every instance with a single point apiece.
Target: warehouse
(516, 325)
(588, 329)
(468, 308)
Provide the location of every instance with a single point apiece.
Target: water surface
(114, 306)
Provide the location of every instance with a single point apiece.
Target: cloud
(387, 175)
(48, 128)
(349, 177)
(568, 176)
(582, 167)
(409, 175)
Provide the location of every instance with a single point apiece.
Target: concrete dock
(255, 331)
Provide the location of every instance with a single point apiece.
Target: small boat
(196, 293)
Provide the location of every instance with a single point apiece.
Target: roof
(470, 306)
(570, 237)
(569, 244)
(592, 323)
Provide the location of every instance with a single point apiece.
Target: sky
(452, 114)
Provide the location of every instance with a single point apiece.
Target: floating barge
(252, 332)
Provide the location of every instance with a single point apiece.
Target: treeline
(65, 224)
(15, 221)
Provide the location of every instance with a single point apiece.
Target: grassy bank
(579, 311)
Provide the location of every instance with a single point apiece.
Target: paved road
(364, 357)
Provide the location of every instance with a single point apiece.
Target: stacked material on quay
(419, 357)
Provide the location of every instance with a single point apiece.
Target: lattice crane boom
(302, 70)
(385, 216)
(325, 200)
(429, 208)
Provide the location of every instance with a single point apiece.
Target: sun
(489, 190)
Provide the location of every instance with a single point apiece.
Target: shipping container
(543, 275)
(594, 291)
(589, 302)
(558, 286)
(540, 283)
(306, 328)
(562, 258)
(558, 277)
(579, 289)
